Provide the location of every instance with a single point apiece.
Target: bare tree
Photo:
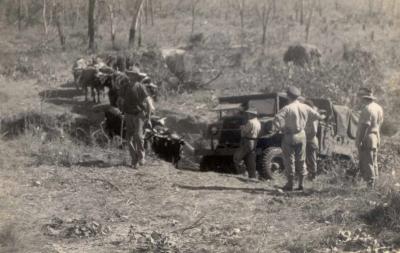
(309, 19)
(146, 12)
(57, 12)
(194, 11)
(111, 10)
(140, 27)
(319, 8)
(370, 7)
(91, 28)
(274, 8)
(151, 11)
(301, 5)
(137, 4)
(239, 5)
(44, 16)
(264, 16)
(19, 15)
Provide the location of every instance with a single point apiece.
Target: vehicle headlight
(214, 130)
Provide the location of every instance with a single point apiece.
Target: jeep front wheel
(271, 161)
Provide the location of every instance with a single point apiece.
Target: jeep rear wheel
(270, 162)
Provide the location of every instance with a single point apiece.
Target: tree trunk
(146, 12)
(301, 12)
(132, 31)
(140, 28)
(111, 9)
(58, 21)
(194, 5)
(241, 13)
(273, 8)
(19, 15)
(319, 8)
(91, 28)
(265, 21)
(151, 12)
(308, 25)
(44, 15)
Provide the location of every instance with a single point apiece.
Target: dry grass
(49, 169)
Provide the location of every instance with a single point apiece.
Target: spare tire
(269, 162)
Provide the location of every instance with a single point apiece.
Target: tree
(301, 5)
(91, 25)
(309, 19)
(239, 5)
(151, 11)
(57, 12)
(44, 16)
(194, 11)
(137, 6)
(111, 10)
(264, 16)
(19, 14)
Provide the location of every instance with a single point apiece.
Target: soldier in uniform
(291, 120)
(368, 136)
(137, 107)
(248, 143)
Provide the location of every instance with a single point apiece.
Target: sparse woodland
(60, 191)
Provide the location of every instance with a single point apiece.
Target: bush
(386, 215)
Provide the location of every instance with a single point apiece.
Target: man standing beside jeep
(248, 143)
(291, 120)
(368, 136)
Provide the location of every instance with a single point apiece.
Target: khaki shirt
(372, 116)
(251, 129)
(293, 118)
(134, 96)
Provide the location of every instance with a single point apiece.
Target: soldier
(291, 120)
(248, 143)
(312, 143)
(368, 136)
(137, 106)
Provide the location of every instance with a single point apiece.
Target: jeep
(335, 133)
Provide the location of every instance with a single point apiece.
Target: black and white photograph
(199, 126)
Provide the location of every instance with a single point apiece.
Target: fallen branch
(212, 79)
(196, 224)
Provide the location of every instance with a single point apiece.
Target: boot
(289, 185)
(301, 180)
(311, 176)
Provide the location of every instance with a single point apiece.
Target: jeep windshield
(264, 107)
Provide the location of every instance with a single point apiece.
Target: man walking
(137, 106)
(311, 143)
(248, 143)
(291, 120)
(368, 136)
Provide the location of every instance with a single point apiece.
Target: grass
(9, 240)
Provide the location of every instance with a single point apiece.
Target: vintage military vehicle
(335, 133)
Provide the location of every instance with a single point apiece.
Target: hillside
(62, 192)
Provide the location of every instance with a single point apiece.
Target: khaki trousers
(247, 152)
(368, 159)
(311, 156)
(294, 154)
(135, 136)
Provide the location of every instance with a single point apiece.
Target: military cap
(293, 92)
